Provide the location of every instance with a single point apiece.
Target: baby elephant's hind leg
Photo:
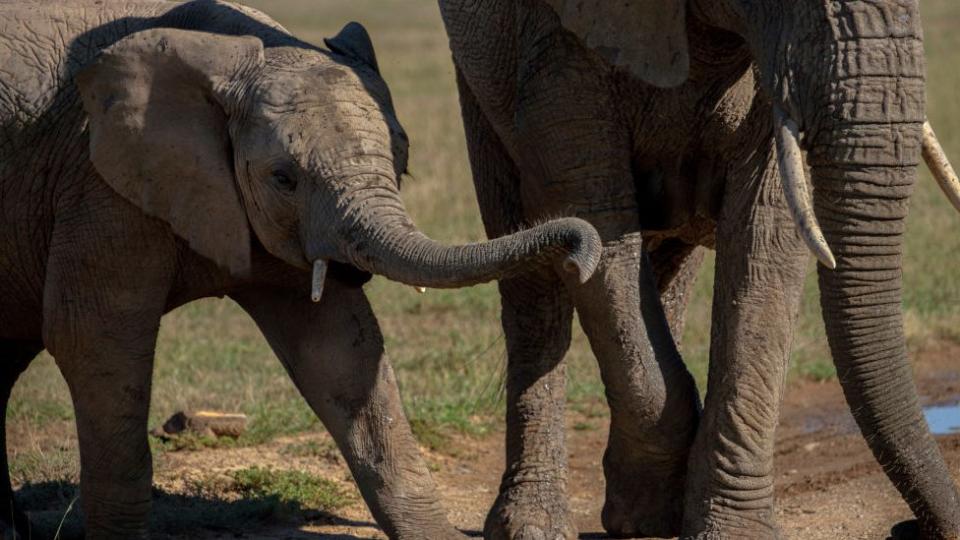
(15, 356)
(108, 373)
(108, 279)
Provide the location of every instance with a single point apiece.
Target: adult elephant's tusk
(940, 166)
(421, 290)
(319, 277)
(795, 187)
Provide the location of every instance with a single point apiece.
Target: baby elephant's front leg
(334, 353)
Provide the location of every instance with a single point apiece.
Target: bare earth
(828, 485)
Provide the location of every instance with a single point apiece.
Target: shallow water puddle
(943, 419)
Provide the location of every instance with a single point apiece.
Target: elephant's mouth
(347, 274)
(343, 273)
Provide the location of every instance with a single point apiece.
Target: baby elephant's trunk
(378, 236)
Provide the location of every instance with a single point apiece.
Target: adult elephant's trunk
(862, 207)
(864, 168)
(375, 233)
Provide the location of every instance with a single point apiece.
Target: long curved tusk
(319, 277)
(940, 166)
(794, 178)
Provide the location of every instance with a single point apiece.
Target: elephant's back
(43, 43)
(42, 128)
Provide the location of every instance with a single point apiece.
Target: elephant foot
(642, 506)
(769, 532)
(644, 499)
(911, 530)
(530, 511)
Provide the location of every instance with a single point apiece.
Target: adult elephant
(152, 153)
(685, 120)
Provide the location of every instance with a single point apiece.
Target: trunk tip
(571, 266)
(585, 250)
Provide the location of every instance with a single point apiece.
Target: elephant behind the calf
(609, 111)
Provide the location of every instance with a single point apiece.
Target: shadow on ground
(53, 508)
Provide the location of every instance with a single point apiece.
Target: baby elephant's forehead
(335, 74)
(313, 135)
(329, 85)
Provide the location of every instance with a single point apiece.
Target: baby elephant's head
(301, 145)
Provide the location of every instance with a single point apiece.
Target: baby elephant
(153, 153)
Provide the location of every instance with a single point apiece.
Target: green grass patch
(290, 490)
(325, 450)
(584, 426)
(431, 434)
(270, 420)
(49, 465)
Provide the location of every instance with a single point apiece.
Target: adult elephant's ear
(157, 102)
(647, 37)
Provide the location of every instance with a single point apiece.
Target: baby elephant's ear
(647, 37)
(157, 103)
(354, 41)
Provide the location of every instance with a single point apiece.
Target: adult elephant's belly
(697, 231)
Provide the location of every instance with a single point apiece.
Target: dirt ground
(828, 485)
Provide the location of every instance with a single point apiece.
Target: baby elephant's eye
(283, 180)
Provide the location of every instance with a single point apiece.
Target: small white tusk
(940, 166)
(421, 290)
(794, 178)
(319, 277)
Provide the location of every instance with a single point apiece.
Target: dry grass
(447, 346)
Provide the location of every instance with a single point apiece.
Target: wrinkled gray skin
(155, 153)
(554, 129)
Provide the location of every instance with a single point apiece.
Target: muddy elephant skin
(153, 153)
(676, 124)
